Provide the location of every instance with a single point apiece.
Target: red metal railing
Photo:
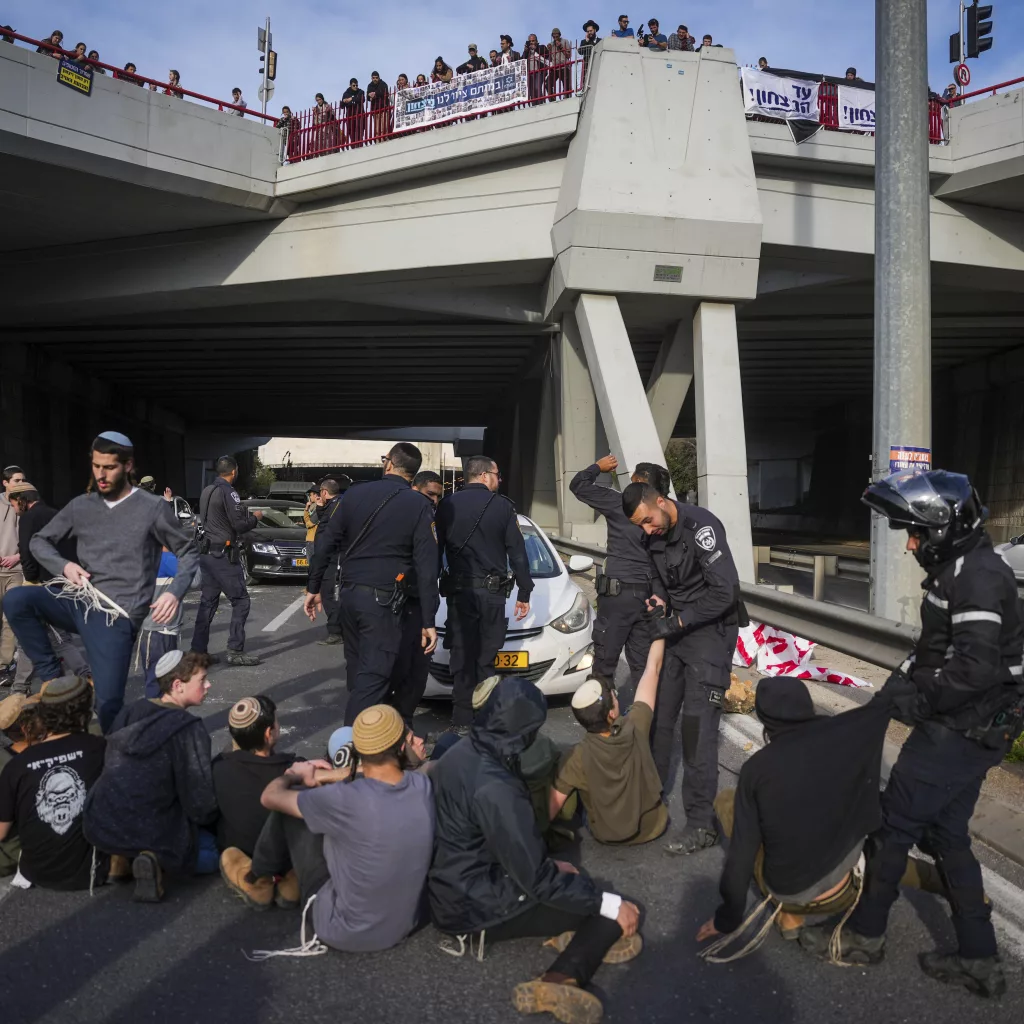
(334, 127)
(989, 90)
(141, 80)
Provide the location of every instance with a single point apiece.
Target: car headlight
(264, 549)
(576, 618)
(581, 661)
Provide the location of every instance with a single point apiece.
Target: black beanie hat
(783, 702)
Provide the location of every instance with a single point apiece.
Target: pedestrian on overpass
(478, 532)
(696, 608)
(384, 533)
(224, 521)
(962, 691)
(625, 585)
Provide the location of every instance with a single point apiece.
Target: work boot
(624, 949)
(235, 869)
(330, 640)
(287, 895)
(983, 977)
(120, 869)
(855, 949)
(149, 882)
(240, 658)
(693, 839)
(566, 1002)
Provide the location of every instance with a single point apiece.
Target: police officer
(383, 532)
(224, 520)
(625, 585)
(479, 533)
(330, 500)
(409, 678)
(961, 690)
(696, 609)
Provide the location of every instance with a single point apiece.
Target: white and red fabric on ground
(778, 653)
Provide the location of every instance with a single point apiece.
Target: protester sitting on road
(613, 768)
(492, 877)
(43, 791)
(474, 63)
(95, 56)
(53, 45)
(155, 803)
(360, 847)
(441, 72)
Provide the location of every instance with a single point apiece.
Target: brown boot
(287, 894)
(120, 869)
(625, 948)
(234, 869)
(565, 1002)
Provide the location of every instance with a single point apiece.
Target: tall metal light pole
(903, 379)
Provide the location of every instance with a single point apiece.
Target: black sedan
(277, 547)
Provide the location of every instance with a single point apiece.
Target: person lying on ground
(492, 878)
(154, 804)
(43, 791)
(360, 848)
(613, 768)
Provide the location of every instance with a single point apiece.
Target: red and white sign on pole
(962, 73)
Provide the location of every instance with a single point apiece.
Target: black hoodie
(490, 863)
(156, 787)
(239, 778)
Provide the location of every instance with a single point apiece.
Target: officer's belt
(477, 582)
(369, 586)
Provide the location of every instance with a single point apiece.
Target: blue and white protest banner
(474, 93)
(774, 96)
(856, 109)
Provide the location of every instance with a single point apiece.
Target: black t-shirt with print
(42, 790)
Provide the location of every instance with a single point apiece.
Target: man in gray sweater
(120, 532)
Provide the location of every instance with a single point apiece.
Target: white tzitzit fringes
(465, 945)
(87, 595)
(307, 947)
(710, 953)
(835, 944)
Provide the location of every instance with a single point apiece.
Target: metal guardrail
(873, 639)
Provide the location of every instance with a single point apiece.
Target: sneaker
(7, 674)
(624, 949)
(693, 839)
(984, 976)
(120, 869)
(149, 883)
(458, 730)
(330, 640)
(240, 658)
(855, 948)
(234, 867)
(565, 1002)
(287, 895)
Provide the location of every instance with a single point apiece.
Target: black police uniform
(479, 534)
(965, 671)
(383, 532)
(224, 520)
(330, 583)
(696, 576)
(625, 585)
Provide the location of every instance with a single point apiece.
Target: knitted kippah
(377, 728)
(59, 691)
(168, 662)
(588, 693)
(117, 437)
(483, 690)
(244, 713)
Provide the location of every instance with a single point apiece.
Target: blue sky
(321, 45)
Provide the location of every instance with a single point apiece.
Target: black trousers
(476, 631)
(694, 676)
(332, 604)
(373, 638)
(594, 936)
(622, 622)
(285, 843)
(221, 577)
(929, 801)
(409, 677)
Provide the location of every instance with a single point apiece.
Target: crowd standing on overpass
(384, 834)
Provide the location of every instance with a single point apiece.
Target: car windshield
(295, 515)
(542, 562)
(272, 516)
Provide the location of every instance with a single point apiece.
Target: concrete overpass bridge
(604, 271)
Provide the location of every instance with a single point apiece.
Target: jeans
(286, 844)
(220, 576)
(207, 854)
(109, 647)
(154, 646)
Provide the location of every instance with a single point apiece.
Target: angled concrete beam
(671, 378)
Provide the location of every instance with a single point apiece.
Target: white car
(1013, 555)
(552, 646)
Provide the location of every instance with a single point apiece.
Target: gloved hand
(908, 704)
(664, 626)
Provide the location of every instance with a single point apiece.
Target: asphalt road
(73, 958)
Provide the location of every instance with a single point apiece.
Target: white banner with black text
(477, 92)
(789, 99)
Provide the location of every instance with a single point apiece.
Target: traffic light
(272, 65)
(954, 48)
(979, 29)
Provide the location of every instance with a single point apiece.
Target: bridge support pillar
(721, 444)
(671, 378)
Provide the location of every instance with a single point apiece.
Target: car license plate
(300, 563)
(512, 659)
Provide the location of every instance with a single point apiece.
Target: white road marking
(279, 620)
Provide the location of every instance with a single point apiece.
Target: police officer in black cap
(479, 533)
(383, 532)
(962, 691)
(224, 519)
(696, 608)
(625, 585)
